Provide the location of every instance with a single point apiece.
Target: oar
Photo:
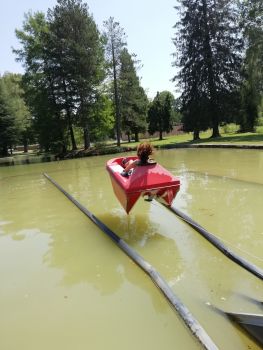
(255, 270)
(251, 323)
(185, 314)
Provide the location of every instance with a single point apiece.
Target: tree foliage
(64, 60)
(208, 57)
(13, 95)
(38, 81)
(8, 131)
(161, 113)
(252, 70)
(76, 62)
(133, 100)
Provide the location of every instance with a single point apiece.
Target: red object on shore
(146, 180)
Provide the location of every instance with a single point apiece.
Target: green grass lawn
(205, 137)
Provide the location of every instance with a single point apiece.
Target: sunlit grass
(205, 137)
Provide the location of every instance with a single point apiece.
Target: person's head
(144, 150)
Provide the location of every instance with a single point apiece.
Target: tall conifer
(115, 42)
(133, 100)
(208, 57)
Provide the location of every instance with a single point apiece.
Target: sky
(148, 25)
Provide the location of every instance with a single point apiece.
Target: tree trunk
(160, 135)
(86, 137)
(57, 113)
(72, 137)
(196, 135)
(5, 151)
(136, 136)
(211, 73)
(25, 142)
(116, 98)
(215, 131)
(129, 137)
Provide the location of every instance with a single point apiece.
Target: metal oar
(252, 323)
(194, 326)
(255, 270)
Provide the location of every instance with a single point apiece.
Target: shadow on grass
(233, 139)
(236, 138)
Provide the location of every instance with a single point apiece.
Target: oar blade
(252, 323)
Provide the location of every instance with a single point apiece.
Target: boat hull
(149, 180)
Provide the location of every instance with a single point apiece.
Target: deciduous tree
(14, 99)
(161, 113)
(8, 131)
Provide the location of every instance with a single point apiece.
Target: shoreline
(23, 159)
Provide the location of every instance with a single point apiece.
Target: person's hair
(144, 150)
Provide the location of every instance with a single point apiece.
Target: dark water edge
(30, 159)
(10, 161)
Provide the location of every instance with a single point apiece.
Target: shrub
(230, 128)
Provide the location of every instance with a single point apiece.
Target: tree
(252, 86)
(114, 43)
(50, 127)
(161, 113)
(101, 118)
(133, 100)
(64, 61)
(8, 133)
(38, 82)
(14, 99)
(209, 58)
(76, 59)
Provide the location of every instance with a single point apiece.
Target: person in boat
(144, 151)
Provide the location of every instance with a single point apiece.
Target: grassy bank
(227, 139)
(205, 138)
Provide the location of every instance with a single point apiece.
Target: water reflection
(97, 261)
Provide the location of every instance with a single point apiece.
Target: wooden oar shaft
(194, 326)
(255, 270)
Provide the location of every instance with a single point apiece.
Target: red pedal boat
(146, 180)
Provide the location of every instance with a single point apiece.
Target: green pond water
(65, 285)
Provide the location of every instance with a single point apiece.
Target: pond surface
(65, 285)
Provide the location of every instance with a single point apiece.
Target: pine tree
(64, 60)
(133, 100)
(252, 85)
(115, 40)
(39, 84)
(76, 62)
(208, 56)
